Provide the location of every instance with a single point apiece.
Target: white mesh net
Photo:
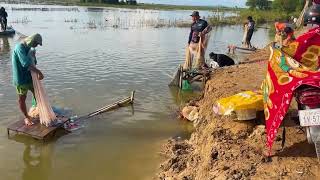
(46, 114)
(197, 51)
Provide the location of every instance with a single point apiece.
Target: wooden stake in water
(317, 146)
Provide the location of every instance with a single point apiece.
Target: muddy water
(89, 63)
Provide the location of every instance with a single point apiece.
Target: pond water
(88, 67)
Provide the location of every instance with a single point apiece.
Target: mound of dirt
(223, 148)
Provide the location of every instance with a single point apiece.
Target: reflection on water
(89, 68)
(37, 158)
(4, 46)
(38, 161)
(5, 62)
(181, 97)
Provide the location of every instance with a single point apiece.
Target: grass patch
(261, 17)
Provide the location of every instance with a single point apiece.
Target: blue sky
(239, 3)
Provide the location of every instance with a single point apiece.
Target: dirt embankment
(223, 148)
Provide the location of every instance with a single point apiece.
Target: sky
(231, 3)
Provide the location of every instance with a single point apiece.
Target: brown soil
(223, 148)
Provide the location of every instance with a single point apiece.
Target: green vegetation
(218, 20)
(279, 5)
(155, 6)
(102, 1)
(263, 11)
(130, 5)
(289, 6)
(265, 16)
(268, 11)
(259, 4)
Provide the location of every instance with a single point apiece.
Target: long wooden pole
(299, 22)
(117, 104)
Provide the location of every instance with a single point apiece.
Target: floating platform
(8, 32)
(37, 130)
(41, 132)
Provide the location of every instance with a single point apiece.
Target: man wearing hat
(199, 29)
(22, 64)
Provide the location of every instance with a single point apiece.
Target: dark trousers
(4, 23)
(249, 36)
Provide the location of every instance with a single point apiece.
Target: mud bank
(223, 148)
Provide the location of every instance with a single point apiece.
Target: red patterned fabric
(289, 68)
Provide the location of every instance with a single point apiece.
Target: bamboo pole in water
(117, 104)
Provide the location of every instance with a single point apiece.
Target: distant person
(3, 18)
(22, 65)
(199, 29)
(284, 33)
(221, 59)
(251, 26)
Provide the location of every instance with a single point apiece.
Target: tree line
(132, 2)
(101, 1)
(278, 5)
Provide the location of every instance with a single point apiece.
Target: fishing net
(245, 33)
(196, 51)
(46, 114)
(176, 78)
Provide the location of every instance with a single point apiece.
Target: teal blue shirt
(20, 65)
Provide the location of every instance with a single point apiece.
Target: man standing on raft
(21, 68)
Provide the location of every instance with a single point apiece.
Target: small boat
(246, 49)
(8, 32)
(232, 49)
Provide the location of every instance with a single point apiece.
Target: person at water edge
(284, 33)
(3, 18)
(250, 29)
(21, 69)
(199, 29)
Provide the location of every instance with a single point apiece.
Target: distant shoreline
(138, 6)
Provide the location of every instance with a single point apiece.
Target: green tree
(288, 5)
(111, 1)
(264, 4)
(260, 4)
(252, 4)
(101, 1)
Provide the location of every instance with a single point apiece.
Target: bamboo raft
(37, 130)
(41, 132)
